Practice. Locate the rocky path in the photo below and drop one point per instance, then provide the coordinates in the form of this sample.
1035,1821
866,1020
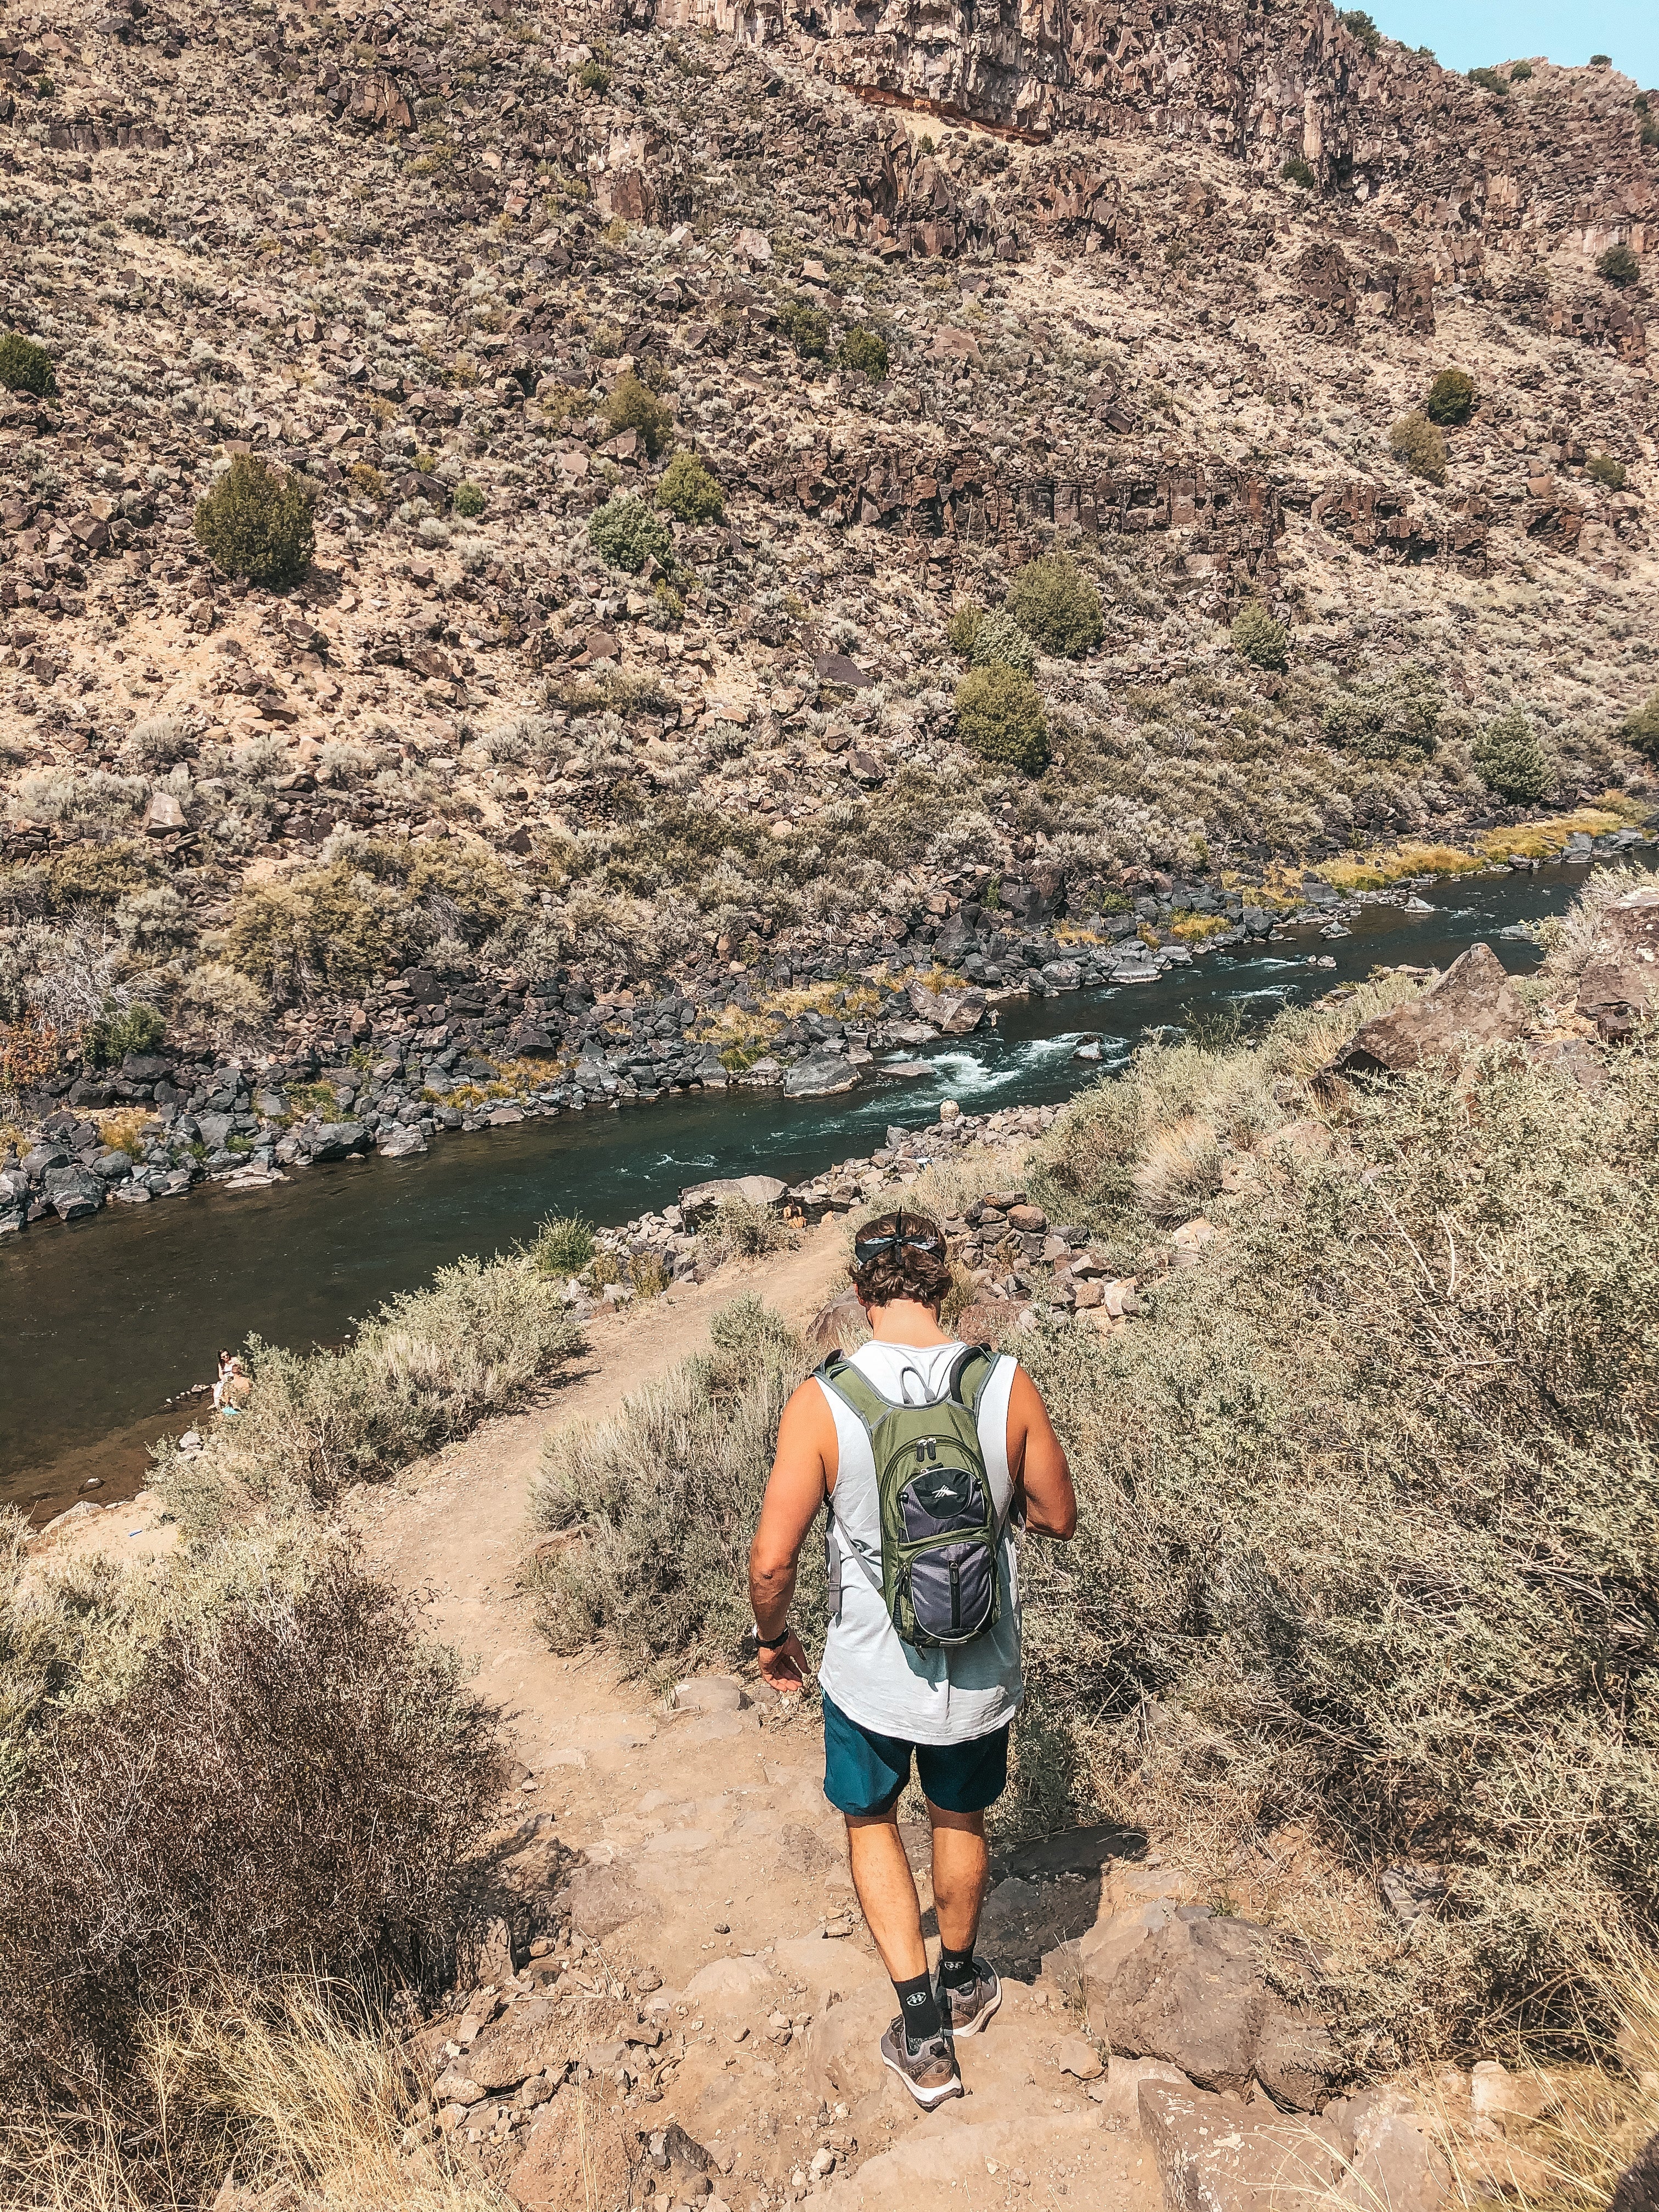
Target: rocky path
714,1958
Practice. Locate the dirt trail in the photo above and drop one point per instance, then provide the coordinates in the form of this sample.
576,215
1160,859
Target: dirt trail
720,1926
451,1529
711,1860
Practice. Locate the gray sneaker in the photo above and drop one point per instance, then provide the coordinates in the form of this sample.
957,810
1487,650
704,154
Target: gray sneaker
964,2012
928,2072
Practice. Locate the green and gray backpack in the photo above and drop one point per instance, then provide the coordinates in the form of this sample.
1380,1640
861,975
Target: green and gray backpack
940,1532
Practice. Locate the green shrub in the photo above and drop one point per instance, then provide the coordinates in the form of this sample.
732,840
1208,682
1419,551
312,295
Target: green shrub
662,1571
1641,729
999,716
468,500
806,327
1521,72
690,492
1512,761
999,638
866,351
1257,638
335,928
1347,1544
258,522
1601,61
118,1030
1415,440
1381,720
327,930
1619,266
631,406
563,1245
627,535
1360,25
1602,469
594,76
1452,397
281,1777
1296,171
26,367
1053,602
1489,81
964,628
98,875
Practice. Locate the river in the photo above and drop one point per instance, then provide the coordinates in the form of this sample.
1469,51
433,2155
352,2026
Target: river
104,1320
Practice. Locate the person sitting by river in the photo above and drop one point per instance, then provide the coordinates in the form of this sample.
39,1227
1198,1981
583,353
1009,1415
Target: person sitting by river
231,1389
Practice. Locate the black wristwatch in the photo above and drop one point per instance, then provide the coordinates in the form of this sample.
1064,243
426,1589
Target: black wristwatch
772,1643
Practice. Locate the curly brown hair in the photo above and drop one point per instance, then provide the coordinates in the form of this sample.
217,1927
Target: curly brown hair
913,1265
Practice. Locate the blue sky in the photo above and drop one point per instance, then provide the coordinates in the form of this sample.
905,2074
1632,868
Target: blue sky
1473,33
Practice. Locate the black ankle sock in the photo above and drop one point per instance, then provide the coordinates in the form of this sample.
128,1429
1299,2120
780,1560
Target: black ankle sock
919,2009
956,1969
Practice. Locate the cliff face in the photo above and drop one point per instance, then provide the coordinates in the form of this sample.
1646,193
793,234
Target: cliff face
1557,161
470,282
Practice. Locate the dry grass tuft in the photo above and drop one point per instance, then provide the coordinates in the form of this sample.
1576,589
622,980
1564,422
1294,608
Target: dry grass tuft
1179,1170
308,2084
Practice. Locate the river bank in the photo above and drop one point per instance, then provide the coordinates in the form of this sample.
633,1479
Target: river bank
426,1057
97,1350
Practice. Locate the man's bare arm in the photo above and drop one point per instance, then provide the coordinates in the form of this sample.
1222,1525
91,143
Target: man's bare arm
1038,1464
802,1473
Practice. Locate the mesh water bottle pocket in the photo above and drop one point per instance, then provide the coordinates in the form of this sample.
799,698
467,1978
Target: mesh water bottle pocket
953,1590
940,1499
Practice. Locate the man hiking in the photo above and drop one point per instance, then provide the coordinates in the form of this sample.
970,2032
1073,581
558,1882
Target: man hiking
931,1455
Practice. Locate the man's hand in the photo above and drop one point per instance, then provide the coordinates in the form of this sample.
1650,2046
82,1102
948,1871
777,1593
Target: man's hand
786,1667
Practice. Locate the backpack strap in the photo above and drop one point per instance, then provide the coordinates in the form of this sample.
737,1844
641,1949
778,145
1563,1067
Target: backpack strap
853,1388
970,1371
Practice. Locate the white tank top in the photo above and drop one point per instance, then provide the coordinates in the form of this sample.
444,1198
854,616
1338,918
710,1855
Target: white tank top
872,1673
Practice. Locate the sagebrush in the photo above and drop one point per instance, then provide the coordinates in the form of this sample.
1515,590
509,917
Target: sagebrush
425,1366
257,1767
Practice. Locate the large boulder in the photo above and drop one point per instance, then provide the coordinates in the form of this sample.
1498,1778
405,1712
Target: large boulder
700,1201
337,1140
1179,1983
402,1141
1391,2158
820,1075
72,1193
1038,900
955,1013
601,1899
534,2036
1218,2154
1472,1006
1621,984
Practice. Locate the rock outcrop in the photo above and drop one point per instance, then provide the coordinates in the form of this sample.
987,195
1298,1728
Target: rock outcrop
1473,1005
1199,1992
1620,985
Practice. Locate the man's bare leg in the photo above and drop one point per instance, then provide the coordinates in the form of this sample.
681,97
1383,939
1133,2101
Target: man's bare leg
961,1867
914,2046
887,1892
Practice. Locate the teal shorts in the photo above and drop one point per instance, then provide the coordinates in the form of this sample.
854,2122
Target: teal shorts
864,1773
